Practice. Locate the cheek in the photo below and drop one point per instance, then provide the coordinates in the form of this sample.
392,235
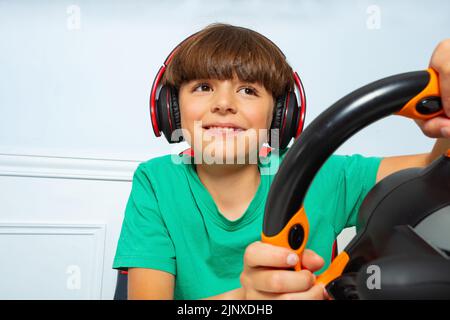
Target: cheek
190,114
261,118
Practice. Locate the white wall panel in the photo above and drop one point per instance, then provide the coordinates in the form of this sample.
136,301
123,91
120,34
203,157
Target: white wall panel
57,261
55,213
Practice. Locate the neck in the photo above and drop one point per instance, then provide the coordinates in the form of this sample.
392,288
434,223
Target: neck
232,186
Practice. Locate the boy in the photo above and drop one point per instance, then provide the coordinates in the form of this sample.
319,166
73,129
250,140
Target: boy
191,229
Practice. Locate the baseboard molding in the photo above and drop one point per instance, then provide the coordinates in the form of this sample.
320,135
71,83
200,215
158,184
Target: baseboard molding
66,168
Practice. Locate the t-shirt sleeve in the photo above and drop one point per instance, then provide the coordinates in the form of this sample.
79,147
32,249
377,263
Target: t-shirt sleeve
144,239
355,176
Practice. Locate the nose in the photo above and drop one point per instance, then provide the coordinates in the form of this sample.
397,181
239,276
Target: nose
224,102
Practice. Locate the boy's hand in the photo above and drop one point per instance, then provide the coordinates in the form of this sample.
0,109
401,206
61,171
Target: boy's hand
266,273
439,127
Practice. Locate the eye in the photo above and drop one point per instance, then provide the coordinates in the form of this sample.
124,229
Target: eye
249,91
201,87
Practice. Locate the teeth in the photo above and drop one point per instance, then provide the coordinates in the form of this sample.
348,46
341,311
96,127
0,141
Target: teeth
224,128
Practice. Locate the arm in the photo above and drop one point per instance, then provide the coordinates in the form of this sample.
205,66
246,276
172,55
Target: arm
145,247
150,284
390,165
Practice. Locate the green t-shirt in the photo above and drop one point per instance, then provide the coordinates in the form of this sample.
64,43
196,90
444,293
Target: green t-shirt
172,223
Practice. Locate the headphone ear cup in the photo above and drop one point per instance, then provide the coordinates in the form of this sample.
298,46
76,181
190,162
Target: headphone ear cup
285,119
176,115
275,127
290,118
168,115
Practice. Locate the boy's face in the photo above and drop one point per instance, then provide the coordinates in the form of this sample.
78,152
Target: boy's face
206,105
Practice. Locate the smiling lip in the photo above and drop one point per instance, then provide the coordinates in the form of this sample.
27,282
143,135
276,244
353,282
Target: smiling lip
223,125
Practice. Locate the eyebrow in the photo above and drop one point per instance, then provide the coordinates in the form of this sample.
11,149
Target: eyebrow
213,79
258,86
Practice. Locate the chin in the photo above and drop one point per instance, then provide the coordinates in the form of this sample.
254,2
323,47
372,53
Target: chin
219,152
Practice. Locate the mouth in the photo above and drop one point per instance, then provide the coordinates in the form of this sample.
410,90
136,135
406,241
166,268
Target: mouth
222,129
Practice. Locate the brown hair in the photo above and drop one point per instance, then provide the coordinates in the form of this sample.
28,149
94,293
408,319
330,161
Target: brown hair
220,50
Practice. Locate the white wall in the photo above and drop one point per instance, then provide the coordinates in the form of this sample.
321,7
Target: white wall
74,120
60,220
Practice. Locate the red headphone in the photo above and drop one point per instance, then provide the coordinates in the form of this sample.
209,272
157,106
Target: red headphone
289,115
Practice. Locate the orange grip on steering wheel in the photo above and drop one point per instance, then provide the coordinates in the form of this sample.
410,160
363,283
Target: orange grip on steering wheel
294,235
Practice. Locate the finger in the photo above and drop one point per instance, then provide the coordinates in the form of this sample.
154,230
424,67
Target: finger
440,62
326,295
260,295
433,128
282,281
259,254
444,85
315,293
311,260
